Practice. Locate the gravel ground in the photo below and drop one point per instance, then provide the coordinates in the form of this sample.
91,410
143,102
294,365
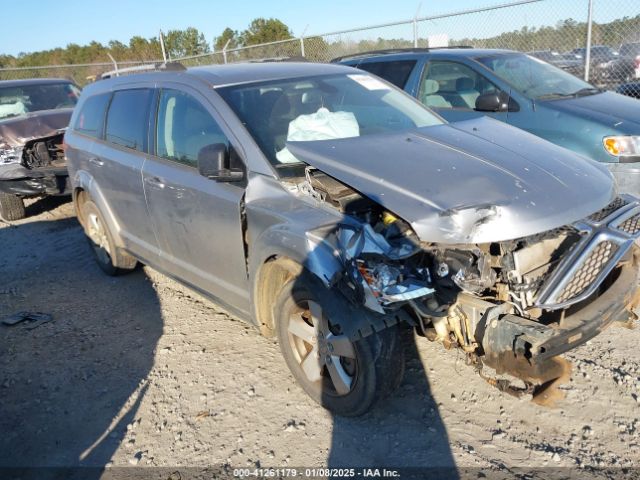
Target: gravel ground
138,370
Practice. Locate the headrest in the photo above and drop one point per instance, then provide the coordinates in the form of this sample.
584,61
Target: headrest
431,87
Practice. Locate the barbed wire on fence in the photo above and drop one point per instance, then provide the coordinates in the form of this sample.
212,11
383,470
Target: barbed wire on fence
552,30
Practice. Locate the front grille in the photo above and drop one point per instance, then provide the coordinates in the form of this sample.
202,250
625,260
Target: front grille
588,271
600,215
631,225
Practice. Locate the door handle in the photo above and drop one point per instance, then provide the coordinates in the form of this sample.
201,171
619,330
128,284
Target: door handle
155,182
96,161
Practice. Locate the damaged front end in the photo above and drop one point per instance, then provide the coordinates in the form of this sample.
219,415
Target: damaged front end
512,305
36,167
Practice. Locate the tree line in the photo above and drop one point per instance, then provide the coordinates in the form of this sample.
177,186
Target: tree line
178,43
563,36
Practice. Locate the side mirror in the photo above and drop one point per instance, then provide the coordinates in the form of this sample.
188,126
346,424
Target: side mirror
213,163
496,102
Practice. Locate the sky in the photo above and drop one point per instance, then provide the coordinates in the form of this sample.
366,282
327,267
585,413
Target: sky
53,24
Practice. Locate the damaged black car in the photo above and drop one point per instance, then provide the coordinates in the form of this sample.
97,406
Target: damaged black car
34,114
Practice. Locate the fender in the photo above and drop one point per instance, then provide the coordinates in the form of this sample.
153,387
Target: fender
85,181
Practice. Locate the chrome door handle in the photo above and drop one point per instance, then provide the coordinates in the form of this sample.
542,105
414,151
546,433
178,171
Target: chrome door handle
155,181
96,161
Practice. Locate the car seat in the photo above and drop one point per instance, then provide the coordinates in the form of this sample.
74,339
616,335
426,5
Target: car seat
465,88
429,97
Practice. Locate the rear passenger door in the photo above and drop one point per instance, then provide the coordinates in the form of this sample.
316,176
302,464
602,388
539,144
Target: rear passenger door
197,220
117,167
452,88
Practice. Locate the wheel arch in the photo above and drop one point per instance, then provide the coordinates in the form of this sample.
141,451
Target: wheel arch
278,256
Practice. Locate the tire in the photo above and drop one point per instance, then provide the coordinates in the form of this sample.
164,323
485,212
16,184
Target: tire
109,259
11,207
371,369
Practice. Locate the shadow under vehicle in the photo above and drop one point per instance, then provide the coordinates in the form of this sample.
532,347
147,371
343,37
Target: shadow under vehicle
33,116
334,211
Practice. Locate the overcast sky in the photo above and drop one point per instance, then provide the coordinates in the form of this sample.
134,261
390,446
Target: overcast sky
44,24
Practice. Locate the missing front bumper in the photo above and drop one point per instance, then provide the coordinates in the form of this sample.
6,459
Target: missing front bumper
528,350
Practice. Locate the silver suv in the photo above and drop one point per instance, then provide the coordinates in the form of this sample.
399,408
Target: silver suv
335,212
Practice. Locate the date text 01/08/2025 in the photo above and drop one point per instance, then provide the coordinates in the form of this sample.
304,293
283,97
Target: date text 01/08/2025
316,472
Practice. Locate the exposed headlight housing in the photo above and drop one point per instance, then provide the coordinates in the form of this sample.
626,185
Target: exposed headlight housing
9,154
622,146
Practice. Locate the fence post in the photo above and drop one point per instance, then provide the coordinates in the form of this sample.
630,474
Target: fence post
415,26
587,55
224,51
302,40
115,64
164,52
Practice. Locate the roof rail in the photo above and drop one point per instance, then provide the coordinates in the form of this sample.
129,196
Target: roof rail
297,58
150,67
395,50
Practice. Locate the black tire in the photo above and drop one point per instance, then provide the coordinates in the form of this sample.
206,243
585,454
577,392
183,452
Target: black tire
109,259
11,207
376,370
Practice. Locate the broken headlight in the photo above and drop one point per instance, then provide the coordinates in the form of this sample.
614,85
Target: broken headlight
9,154
383,266
391,284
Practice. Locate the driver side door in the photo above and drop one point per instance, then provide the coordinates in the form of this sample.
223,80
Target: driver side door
452,88
197,220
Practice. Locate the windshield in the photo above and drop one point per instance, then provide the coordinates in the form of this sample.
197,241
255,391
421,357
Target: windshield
322,108
22,99
534,78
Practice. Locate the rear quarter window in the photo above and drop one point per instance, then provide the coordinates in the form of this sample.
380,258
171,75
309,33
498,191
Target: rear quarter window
91,116
128,118
396,72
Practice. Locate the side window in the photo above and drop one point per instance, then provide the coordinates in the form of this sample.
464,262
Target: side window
393,72
184,127
452,85
90,118
128,118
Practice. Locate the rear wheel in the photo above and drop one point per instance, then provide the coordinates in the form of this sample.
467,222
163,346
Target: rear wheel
344,376
11,207
109,259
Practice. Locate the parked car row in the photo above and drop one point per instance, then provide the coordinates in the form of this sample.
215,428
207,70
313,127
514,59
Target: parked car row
607,67
337,213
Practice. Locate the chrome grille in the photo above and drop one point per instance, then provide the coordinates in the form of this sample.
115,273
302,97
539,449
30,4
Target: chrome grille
600,215
631,225
588,271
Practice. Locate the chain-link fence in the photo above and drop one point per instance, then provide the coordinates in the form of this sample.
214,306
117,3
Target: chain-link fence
594,39
79,73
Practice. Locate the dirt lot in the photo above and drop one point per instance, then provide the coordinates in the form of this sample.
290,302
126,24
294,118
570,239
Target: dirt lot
137,370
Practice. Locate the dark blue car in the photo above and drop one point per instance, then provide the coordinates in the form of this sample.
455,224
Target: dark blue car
462,83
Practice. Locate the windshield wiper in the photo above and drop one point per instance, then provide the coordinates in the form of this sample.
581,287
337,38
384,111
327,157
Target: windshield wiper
548,96
587,91
578,93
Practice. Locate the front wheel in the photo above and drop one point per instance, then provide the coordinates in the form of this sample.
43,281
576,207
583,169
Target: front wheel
108,258
11,207
344,376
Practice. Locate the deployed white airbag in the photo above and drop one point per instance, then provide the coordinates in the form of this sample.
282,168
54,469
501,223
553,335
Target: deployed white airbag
322,125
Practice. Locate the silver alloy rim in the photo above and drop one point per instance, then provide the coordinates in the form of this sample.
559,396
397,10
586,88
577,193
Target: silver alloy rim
98,236
319,351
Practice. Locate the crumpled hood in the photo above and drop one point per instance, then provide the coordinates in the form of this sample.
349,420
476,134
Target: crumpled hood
475,181
607,108
16,131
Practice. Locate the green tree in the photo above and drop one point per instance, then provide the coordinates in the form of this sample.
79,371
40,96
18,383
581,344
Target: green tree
227,35
263,30
184,43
